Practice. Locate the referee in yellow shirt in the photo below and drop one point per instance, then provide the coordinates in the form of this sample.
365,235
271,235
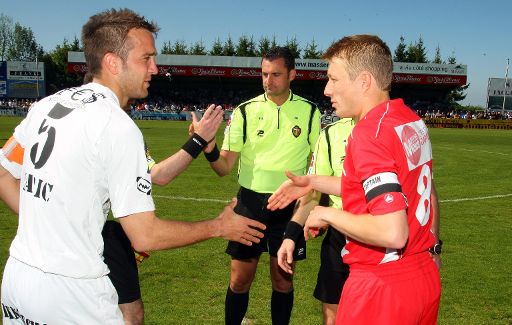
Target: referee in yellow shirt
268,134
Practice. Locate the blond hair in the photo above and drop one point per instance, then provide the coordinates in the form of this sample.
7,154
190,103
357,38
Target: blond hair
364,53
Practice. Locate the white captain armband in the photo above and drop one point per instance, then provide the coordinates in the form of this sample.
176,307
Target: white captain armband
379,184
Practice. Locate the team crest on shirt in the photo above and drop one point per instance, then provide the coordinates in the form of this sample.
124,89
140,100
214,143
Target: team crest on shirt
296,131
144,185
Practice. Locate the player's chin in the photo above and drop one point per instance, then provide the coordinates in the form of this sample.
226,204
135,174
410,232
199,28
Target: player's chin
339,112
143,93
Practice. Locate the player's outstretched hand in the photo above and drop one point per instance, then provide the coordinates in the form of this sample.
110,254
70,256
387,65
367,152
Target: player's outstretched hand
238,228
292,189
315,223
285,255
207,127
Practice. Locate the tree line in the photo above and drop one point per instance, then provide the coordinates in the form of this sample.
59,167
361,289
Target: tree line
18,43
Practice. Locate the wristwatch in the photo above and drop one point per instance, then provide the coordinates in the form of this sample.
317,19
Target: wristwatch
437,248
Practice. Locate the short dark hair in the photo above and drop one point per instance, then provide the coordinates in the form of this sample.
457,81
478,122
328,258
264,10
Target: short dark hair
280,52
106,32
364,52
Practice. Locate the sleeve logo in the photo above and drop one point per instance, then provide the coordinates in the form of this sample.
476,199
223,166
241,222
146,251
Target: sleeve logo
415,142
144,185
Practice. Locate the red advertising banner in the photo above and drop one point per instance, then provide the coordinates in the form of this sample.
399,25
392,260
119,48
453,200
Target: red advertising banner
231,72
225,72
422,79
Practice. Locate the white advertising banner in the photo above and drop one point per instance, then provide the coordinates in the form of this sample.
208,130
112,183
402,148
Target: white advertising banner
25,79
498,89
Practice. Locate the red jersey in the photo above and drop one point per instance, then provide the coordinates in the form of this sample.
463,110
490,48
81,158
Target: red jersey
388,168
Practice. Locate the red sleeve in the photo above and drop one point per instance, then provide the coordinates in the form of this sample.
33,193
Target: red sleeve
376,169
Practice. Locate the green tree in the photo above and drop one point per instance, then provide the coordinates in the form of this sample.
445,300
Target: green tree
294,47
421,52
216,47
274,42
437,57
401,51
6,35
166,48
311,51
452,59
229,48
24,46
263,46
457,95
245,46
198,48
56,62
416,52
179,47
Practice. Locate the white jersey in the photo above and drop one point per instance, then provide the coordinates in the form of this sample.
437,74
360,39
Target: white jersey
83,153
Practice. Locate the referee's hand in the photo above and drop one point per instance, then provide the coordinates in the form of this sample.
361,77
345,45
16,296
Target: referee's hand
285,255
235,227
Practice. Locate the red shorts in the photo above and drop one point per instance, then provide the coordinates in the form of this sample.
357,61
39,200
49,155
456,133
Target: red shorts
402,292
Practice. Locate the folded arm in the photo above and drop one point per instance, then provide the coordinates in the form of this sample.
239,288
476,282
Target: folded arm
387,230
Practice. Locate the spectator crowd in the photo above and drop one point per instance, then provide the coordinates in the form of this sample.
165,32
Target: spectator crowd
183,100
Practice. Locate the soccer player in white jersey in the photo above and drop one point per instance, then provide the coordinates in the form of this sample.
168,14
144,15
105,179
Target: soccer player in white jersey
83,156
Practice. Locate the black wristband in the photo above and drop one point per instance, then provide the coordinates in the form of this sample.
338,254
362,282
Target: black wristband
293,231
214,155
194,145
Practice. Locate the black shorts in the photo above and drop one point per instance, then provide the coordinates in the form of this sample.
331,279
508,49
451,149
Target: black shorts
254,206
119,256
333,272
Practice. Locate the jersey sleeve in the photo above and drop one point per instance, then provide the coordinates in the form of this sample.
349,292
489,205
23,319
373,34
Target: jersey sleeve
127,173
233,134
377,171
315,128
11,157
320,163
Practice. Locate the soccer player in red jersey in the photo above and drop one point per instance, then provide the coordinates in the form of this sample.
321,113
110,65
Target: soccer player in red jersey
390,210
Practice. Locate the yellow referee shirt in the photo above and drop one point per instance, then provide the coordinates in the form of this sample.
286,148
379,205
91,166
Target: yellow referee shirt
272,139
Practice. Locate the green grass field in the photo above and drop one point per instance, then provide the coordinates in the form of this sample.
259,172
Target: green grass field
473,173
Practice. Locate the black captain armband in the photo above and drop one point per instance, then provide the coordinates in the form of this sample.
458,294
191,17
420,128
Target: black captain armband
293,231
214,155
194,145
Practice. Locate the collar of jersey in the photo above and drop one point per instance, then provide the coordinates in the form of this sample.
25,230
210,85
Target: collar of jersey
107,92
290,98
379,109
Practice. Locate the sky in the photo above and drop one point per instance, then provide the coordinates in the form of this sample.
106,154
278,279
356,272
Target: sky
476,32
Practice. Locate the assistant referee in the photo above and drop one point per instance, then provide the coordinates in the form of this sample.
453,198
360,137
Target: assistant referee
268,134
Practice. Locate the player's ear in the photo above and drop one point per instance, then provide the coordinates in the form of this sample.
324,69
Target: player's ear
112,62
292,74
365,79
